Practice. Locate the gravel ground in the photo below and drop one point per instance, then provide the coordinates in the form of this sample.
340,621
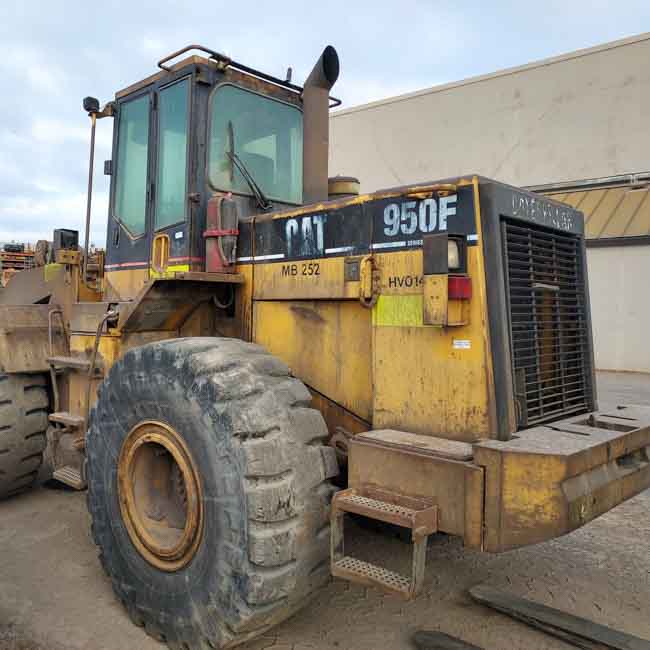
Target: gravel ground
54,596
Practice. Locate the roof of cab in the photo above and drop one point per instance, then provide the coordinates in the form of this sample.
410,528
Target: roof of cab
190,60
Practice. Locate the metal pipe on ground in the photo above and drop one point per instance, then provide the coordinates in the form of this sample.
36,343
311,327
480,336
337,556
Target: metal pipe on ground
435,640
577,631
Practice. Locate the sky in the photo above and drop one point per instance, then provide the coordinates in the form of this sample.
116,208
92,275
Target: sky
55,53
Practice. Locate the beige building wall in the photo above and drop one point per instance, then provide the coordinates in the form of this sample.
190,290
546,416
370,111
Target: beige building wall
619,278
579,116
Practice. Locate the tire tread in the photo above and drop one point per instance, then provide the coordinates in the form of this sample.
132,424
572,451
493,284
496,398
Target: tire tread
24,405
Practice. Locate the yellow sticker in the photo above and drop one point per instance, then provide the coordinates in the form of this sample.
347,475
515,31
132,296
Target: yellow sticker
398,311
169,271
51,271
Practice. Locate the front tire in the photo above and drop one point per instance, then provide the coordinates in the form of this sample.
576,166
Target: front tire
233,417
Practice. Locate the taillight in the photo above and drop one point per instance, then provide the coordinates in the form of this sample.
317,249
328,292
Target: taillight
459,287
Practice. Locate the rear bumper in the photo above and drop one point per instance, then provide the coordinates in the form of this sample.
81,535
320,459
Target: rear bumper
550,480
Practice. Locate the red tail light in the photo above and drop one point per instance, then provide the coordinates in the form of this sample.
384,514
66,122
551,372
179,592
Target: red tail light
459,287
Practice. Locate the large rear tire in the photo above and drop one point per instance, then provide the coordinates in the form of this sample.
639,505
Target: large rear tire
255,543
24,405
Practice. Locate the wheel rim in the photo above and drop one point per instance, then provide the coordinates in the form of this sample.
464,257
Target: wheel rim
160,495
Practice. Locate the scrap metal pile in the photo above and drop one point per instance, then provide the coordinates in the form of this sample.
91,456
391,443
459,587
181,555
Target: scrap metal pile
14,258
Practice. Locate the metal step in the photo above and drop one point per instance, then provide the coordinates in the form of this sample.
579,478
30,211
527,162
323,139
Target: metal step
67,419
417,514
390,513
349,568
76,363
70,476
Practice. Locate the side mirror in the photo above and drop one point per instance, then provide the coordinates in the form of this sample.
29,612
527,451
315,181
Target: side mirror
91,105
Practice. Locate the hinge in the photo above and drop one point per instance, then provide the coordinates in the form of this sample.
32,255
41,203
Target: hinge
369,281
201,76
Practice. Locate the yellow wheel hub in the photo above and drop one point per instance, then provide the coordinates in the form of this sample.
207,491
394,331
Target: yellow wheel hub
160,495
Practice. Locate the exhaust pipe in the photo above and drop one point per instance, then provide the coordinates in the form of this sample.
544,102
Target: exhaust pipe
315,99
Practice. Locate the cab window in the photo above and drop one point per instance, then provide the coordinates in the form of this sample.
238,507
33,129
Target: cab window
172,154
266,136
132,157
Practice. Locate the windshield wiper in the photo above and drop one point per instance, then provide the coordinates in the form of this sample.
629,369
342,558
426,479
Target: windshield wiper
235,160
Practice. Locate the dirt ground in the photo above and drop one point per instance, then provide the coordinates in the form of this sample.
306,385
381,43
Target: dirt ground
54,596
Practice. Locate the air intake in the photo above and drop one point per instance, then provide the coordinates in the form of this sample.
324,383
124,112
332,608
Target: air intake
549,330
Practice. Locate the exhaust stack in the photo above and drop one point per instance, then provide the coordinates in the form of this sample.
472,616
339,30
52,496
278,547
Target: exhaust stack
315,98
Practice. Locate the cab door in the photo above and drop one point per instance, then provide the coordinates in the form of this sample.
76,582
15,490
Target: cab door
129,235
170,241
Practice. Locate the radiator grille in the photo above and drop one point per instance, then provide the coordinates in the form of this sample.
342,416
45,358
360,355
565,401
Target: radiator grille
548,323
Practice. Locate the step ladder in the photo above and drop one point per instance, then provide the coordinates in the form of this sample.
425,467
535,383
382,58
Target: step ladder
63,421
417,514
70,476
66,422
73,363
70,423
76,424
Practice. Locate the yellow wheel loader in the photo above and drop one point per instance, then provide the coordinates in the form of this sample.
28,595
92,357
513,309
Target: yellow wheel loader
261,350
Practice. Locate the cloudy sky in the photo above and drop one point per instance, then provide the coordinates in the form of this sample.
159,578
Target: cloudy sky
54,53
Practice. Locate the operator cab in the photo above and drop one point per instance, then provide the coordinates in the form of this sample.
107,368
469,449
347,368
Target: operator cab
204,126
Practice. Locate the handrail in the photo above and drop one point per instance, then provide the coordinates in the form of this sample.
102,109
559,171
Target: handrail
217,56
50,347
110,314
226,61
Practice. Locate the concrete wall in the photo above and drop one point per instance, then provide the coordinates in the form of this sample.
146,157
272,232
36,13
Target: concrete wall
620,309
583,115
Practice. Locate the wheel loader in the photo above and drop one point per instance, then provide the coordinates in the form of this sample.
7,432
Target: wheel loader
261,350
